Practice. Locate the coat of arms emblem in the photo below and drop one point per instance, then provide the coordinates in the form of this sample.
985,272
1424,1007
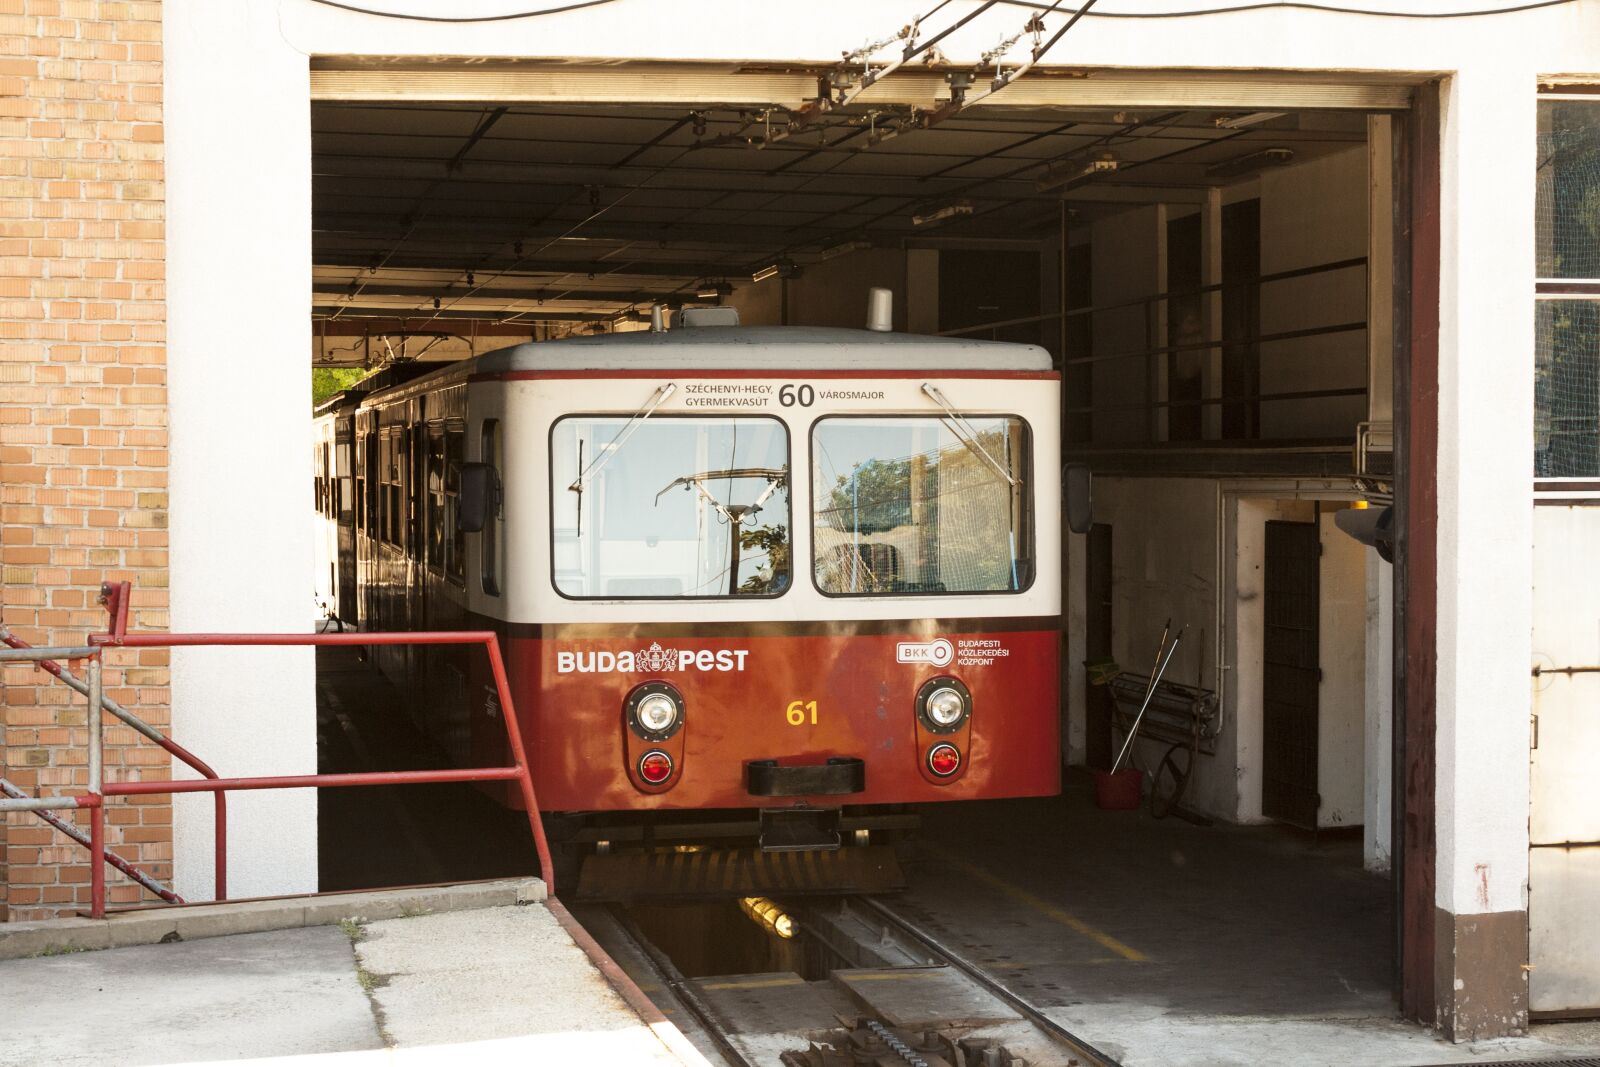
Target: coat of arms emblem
655,659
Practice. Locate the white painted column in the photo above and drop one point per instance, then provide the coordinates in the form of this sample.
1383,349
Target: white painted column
238,300
1486,340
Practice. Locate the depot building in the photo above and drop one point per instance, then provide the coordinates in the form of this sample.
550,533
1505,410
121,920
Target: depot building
1290,264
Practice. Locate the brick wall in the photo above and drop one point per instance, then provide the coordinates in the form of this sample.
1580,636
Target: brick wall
83,417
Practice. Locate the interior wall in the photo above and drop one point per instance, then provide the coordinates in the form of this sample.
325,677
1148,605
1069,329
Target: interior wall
1379,725
1164,566
1242,733
1342,655
1314,213
1126,264
830,293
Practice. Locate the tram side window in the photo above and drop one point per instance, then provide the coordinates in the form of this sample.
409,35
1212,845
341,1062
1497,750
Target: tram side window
915,505
455,556
489,545
436,529
389,473
687,506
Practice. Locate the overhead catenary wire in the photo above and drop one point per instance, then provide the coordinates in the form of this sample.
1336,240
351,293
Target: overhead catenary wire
1303,5
507,17
1263,5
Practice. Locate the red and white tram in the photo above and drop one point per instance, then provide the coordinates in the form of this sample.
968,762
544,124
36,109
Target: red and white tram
764,569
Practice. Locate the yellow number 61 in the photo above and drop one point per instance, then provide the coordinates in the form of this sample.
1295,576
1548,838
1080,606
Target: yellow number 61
796,712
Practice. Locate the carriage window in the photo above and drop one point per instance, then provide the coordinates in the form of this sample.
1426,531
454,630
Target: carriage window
919,505
389,473
683,507
436,528
489,452
455,556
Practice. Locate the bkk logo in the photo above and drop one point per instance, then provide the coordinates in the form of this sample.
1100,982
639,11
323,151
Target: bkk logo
652,660
938,652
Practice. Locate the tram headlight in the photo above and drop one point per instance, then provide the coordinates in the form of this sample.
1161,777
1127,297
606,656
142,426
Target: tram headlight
944,704
654,711
945,707
657,713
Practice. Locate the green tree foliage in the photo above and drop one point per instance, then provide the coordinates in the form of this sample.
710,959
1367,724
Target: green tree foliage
325,381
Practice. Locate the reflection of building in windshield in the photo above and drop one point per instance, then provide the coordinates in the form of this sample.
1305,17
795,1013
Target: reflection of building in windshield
685,507
903,506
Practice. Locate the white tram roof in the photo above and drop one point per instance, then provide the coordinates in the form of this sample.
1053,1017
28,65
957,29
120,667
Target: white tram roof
760,347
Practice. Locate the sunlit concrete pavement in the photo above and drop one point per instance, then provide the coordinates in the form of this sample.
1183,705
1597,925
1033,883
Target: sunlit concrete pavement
487,986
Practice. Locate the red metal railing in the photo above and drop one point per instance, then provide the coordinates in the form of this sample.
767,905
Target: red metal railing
115,598
114,595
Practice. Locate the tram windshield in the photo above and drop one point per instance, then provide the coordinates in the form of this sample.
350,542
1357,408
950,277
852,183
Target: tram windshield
680,507
921,505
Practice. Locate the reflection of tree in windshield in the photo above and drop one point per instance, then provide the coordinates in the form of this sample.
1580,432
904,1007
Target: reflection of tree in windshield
773,543
934,521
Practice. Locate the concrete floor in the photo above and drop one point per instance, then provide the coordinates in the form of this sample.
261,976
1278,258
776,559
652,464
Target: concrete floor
1161,942
492,986
1169,944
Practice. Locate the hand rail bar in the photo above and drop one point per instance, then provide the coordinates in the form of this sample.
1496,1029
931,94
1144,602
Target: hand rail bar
519,772
220,816
16,799
1262,279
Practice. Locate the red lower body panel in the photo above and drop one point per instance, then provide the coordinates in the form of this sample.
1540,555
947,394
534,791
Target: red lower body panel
797,699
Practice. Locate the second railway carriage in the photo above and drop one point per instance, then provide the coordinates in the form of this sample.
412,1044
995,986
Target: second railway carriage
798,573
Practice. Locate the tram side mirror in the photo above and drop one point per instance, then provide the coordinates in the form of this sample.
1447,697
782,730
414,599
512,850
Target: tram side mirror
1077,494
480,496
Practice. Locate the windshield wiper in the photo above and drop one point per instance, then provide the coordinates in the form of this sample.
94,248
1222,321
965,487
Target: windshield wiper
607,453
966,434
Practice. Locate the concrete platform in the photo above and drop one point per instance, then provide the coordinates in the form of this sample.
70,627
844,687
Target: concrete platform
500,984
1169,944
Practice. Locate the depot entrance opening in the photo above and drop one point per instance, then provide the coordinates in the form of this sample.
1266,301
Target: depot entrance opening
1213,288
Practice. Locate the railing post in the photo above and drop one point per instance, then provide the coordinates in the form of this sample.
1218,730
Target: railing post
97,813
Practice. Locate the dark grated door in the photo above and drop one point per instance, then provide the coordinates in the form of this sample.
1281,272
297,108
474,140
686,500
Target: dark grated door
1291,675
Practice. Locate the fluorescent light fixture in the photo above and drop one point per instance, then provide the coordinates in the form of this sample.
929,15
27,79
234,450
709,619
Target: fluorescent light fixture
1248,164
708,293
1255,118
711,290
1076,175
781,268
844,248
939,214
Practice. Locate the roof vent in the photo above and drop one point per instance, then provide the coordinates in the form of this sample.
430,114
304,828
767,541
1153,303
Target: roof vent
691,318
880,310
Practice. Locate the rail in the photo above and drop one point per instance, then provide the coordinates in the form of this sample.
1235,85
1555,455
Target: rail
1152,305
98,789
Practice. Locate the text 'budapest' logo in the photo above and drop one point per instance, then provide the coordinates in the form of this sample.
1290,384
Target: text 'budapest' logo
938,652
652,660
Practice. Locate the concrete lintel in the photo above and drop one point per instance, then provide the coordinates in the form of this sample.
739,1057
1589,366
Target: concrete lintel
191,922
1480,974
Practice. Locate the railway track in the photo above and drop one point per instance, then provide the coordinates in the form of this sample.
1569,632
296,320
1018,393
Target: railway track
875,1041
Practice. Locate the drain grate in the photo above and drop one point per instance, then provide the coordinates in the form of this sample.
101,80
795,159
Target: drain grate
1590,1062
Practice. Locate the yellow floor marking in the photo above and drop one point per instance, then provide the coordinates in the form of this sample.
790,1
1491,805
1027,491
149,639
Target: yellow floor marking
1039,904
765,983
896,976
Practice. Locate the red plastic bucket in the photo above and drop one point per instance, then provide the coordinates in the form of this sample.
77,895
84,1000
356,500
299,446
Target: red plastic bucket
1119,790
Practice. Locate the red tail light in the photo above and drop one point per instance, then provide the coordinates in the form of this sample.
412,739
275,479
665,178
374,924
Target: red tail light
655,767
943,760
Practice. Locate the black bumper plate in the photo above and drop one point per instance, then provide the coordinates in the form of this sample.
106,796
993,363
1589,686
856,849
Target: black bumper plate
840,776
